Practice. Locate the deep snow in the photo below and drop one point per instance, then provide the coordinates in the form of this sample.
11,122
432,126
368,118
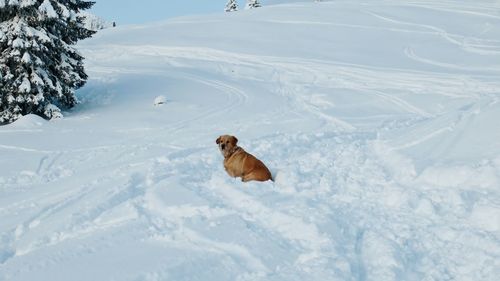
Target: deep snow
379,119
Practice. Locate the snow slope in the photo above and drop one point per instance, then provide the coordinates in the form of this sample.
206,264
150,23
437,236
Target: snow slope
379,119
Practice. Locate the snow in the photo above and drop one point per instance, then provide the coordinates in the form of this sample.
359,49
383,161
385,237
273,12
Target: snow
18,43
65,12
27,3
159,100
25,86
29,121
13,2
377,118
52,112
26,58
46,9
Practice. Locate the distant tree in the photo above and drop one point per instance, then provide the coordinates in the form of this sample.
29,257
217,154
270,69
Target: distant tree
39,68
93,22
252,4
231,6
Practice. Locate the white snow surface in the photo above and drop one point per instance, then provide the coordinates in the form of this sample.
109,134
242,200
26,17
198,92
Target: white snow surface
379,119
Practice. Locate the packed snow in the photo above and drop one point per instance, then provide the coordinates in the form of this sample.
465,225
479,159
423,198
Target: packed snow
379,120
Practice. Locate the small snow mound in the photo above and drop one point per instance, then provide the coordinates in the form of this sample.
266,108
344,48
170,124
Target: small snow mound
283,182
29,121
159,100
486,217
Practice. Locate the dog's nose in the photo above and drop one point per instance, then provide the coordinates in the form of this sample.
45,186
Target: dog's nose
222,146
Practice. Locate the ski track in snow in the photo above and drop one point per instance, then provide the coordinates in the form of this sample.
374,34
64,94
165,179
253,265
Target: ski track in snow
369,183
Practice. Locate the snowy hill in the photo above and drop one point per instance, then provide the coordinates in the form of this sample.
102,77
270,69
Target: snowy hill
379,119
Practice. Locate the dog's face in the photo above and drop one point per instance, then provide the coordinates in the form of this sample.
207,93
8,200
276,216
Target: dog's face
226,144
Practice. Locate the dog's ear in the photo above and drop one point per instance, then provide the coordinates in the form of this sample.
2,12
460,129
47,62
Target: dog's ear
235,140
217,141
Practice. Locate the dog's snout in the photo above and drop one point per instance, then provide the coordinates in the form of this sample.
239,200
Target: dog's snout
222,146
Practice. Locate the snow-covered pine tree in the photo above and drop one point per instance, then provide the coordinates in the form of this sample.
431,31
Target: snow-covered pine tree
231,6
252,4
39,68
93,22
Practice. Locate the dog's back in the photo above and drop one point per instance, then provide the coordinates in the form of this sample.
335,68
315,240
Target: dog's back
248,167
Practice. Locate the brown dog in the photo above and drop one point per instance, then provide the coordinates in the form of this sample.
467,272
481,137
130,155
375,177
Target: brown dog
239,163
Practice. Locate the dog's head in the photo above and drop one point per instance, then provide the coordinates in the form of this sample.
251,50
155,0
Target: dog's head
226,144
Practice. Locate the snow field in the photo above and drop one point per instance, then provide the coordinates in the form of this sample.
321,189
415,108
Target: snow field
346,210
378,122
